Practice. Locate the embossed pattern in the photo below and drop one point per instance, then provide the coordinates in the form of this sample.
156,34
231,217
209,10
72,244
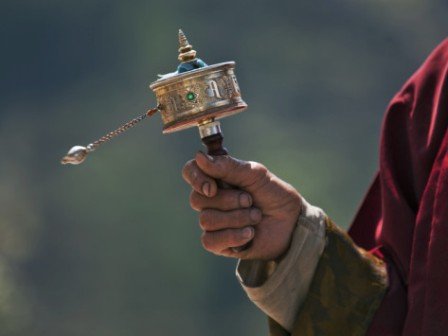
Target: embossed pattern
216,90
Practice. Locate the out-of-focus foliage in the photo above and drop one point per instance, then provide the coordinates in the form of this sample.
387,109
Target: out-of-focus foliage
111,247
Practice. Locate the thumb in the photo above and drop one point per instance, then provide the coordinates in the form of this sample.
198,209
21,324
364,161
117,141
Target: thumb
239,173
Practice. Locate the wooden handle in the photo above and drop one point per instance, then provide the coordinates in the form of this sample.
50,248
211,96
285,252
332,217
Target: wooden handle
214,144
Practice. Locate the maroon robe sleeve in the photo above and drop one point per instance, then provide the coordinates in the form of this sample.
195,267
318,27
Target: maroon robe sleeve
404,217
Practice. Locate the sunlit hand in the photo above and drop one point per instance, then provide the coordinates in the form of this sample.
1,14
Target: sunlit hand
263,208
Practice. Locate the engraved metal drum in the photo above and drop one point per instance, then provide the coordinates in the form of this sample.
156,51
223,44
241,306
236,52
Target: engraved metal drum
192,97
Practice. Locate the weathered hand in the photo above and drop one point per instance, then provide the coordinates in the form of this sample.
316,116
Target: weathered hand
263,207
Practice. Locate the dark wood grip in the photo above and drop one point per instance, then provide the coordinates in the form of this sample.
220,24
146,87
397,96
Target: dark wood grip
214,144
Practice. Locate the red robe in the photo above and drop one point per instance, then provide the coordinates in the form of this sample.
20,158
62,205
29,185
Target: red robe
404,216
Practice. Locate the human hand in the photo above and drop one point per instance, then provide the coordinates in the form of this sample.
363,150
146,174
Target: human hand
262,208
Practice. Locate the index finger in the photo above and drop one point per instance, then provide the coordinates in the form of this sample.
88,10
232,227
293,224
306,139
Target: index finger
247,175
199,181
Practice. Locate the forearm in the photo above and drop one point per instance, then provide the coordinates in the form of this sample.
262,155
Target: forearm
324,284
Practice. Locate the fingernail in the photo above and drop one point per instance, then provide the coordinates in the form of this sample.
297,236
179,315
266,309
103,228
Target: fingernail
206,188
208,157
248,232
245,200
255,215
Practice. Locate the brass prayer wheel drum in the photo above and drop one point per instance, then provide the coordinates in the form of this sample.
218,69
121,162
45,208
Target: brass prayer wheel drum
197,96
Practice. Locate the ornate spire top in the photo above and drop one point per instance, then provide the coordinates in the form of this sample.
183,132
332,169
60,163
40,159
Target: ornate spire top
186,52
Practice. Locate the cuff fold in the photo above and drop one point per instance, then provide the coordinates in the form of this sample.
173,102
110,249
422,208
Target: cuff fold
279,289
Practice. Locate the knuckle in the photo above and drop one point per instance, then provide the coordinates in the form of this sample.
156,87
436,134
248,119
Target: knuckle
194,176
204,220
259,168
206,241
195,201
189,172
259,174
186,168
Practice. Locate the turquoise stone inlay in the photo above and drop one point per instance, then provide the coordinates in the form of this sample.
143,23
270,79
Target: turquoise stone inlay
188,66
190,96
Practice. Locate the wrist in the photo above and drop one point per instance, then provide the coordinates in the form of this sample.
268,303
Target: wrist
295,215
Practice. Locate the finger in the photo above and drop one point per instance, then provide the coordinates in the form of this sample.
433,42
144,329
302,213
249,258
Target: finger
244,174
199,181
215,220
219,242
225,200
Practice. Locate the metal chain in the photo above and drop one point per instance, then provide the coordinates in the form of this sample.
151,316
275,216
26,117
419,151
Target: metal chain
94,145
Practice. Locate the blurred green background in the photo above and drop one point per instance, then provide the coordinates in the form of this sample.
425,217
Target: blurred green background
111,247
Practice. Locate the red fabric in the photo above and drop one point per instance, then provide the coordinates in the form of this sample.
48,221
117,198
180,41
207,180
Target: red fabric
405,212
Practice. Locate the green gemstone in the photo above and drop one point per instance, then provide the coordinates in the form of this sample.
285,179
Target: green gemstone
191,96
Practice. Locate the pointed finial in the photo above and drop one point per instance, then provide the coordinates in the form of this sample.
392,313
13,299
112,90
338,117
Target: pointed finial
183,42
186,52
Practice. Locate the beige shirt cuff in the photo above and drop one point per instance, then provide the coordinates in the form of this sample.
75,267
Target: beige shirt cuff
279,289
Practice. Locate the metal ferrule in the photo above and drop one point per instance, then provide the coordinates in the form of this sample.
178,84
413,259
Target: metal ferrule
210,128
